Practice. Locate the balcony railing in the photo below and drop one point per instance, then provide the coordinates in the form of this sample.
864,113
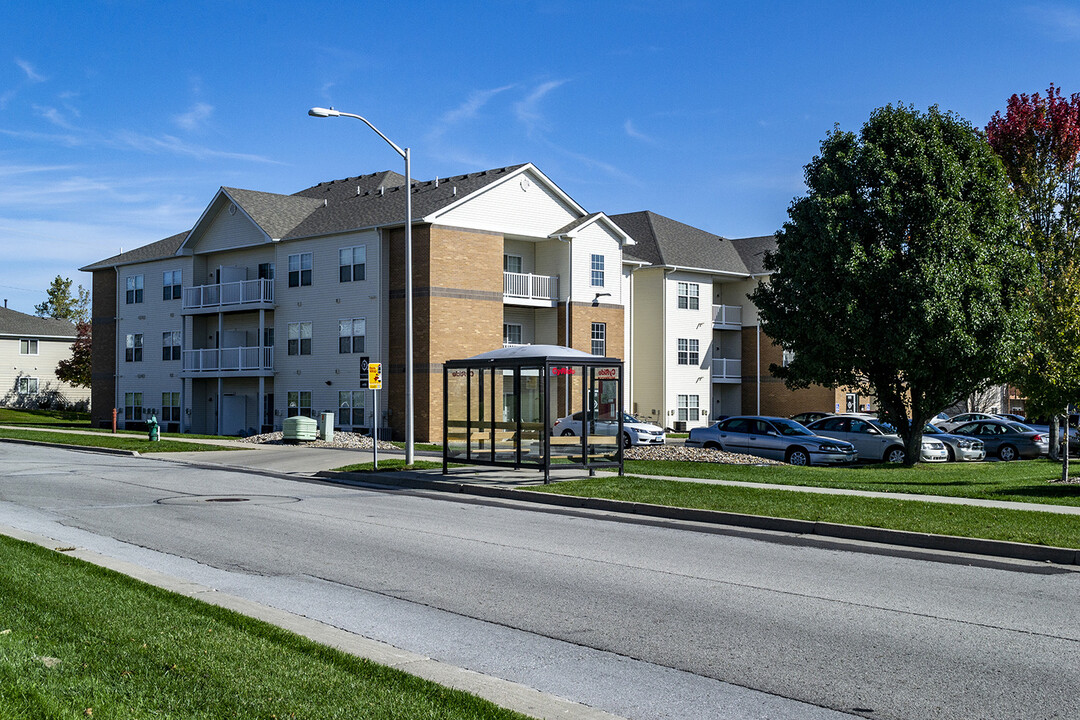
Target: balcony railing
243,292
726,369
234,359
530,287
727,315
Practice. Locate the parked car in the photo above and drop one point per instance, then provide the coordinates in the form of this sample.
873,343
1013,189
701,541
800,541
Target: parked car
957,420
635,432
810,416
1014,417
773,438
875,440
1005,439
958,447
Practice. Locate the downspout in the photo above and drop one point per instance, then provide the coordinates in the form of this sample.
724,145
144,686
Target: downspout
664,347
629,352
116,342
758,332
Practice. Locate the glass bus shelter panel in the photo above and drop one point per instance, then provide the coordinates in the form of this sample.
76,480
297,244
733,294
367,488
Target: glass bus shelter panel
457,412
603,394
532,415
567,407
505,442
481,419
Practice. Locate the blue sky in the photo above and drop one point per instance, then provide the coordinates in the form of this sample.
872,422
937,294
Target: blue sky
119,120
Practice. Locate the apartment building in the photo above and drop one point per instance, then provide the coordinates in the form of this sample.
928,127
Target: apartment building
270,304
30,349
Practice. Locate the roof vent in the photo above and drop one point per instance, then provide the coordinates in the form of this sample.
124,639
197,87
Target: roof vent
325,202
357,191
453,193
436,181
382,190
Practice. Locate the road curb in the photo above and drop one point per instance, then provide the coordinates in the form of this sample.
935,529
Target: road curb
901,538
69,446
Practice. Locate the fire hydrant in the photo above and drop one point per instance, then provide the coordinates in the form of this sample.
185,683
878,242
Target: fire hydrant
152,426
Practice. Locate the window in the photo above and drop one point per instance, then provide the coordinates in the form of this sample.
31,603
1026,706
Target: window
134,289
133,351
170,407
599,339
299,269
597,270
351,407
28,386
787,358
170,345
351,335
511,334
512,263
268,337
299,404
266,271
28,347
171,284
688,351
133,406
352,263
688,407
300,338
689,296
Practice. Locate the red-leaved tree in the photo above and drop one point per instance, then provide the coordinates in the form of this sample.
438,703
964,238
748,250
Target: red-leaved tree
76,369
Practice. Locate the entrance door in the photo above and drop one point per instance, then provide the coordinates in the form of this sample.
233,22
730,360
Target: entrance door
233,414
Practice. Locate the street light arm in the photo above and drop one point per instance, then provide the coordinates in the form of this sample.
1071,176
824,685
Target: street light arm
331,112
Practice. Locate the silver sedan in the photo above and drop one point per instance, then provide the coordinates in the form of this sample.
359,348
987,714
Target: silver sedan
774,438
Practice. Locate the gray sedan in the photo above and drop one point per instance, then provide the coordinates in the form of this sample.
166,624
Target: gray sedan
958,446
1008,440
875,440
773,438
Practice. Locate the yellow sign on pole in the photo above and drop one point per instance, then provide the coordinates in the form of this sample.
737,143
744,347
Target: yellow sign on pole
374,375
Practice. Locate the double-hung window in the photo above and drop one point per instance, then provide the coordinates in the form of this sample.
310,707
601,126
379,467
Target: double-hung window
688,408
599,339
133,406
133,348
171,284
596,267
28,347
352,263
170,407
689,296
688,351
351,407
300,269
511,334
299,403
300,338
170,345
351,335
28,386
134,289
512,263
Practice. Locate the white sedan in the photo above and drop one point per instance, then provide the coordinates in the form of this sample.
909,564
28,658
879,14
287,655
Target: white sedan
635,432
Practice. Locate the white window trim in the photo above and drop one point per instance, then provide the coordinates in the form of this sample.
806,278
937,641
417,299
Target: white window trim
29,341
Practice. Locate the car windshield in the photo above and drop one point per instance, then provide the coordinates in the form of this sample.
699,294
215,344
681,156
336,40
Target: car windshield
883,426
790,427
1017,427
932,430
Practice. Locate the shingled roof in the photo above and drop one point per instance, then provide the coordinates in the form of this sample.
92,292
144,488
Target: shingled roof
13,322
752,250
154,251
663,241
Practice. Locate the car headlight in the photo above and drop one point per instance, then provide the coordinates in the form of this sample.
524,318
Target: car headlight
964,444
830,447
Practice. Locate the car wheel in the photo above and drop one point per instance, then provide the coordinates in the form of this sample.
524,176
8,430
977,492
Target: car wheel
952,455
626,440
712,446
798,456
895,454
1007,453
567,432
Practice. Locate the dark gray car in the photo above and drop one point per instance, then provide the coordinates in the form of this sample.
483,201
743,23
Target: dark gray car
1005,439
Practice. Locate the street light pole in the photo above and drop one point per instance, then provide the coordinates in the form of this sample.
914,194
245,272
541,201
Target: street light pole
407,155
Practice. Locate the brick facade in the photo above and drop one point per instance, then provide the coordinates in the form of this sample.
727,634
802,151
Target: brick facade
103,348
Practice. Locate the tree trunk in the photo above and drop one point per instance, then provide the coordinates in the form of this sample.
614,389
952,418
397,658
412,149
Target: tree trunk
1065,454
913,447
1054,438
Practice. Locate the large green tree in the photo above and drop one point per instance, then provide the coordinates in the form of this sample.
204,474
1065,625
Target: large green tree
901,272
1038,140
61,304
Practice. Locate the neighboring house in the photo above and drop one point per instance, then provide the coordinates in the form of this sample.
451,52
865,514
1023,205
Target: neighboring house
30,348
266,307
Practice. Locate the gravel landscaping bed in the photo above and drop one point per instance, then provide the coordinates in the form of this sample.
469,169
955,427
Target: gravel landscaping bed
693,454
341,440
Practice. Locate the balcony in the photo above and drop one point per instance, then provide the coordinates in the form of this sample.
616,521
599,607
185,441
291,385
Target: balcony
726,370
241,295
531,290
228,361
727,317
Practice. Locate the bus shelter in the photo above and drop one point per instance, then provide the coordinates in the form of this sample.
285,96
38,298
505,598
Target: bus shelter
534,406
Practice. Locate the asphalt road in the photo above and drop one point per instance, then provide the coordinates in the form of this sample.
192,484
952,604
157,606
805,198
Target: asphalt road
643,621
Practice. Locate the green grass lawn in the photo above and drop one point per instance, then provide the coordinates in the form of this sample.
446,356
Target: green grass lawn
425,447
17,416
1039,528
117,442
1025,481
80,641
392,464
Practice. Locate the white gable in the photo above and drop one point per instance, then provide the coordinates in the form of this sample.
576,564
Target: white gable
524,204
224,226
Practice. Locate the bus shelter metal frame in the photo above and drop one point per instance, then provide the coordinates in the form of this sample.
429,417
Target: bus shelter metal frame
547,359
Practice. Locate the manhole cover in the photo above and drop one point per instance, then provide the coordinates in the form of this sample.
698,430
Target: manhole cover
251,499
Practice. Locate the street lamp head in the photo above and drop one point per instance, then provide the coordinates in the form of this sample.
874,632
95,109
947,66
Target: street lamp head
323,112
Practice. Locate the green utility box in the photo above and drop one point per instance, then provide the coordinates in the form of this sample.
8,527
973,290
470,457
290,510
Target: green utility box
298,429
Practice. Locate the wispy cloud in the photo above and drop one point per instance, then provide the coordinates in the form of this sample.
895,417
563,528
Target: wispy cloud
54,116
194,118
633,132
176,146
1059,22
467,110
31,73
528,110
